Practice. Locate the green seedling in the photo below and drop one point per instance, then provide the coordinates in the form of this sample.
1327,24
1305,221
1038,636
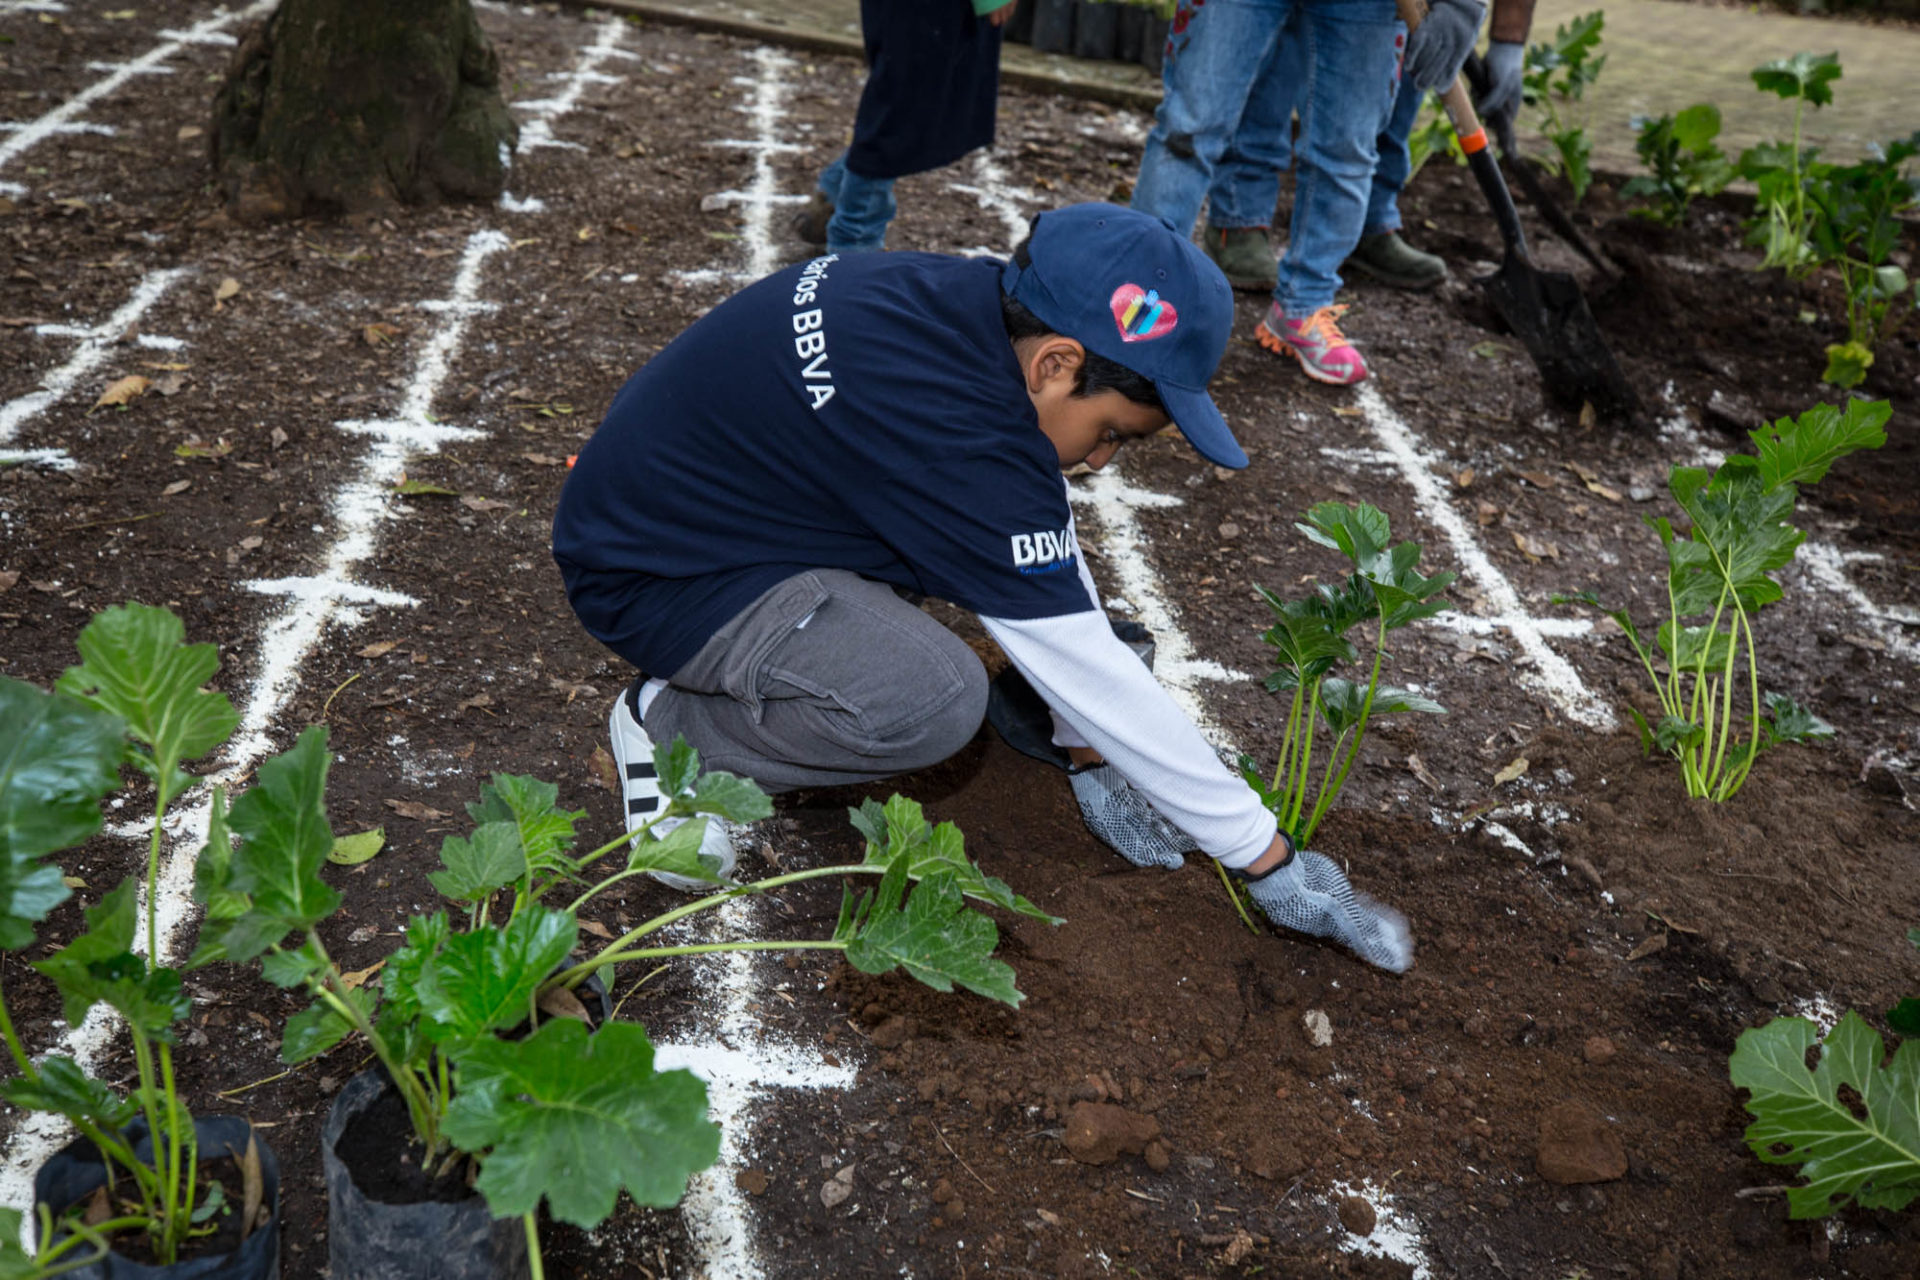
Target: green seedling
1782,224
1683,160
1384,592
1855,225
1861,1147
565,1114
135,699
1554,78
1719,576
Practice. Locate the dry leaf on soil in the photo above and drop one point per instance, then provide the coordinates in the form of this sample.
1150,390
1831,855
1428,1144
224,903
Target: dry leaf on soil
10,576
378,648
1418,768
605,771
1658,942
415,810
228,288
1538,479
597,929
178,486
562,1003
474,503
1535,549
379,333
253,1186
122,391
477,700
1515,768
1463,477
358,978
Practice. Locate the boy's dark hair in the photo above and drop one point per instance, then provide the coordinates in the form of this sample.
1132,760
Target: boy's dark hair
1097,373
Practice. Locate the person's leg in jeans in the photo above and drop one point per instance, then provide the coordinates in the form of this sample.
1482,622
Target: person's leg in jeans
1216,53
1382,252
826,679
861,209
1353,54
1246,181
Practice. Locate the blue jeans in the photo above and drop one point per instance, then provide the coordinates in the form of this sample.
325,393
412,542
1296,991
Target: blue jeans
1246,183
862,208
1222,51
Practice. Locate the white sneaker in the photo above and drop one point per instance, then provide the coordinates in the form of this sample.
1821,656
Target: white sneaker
640,791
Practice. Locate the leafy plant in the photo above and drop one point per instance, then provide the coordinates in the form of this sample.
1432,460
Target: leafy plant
1433,135
563,1113
1862,1147
1782,223
1554,77
1719,575
135,698
1683,159
1854,224
1385,591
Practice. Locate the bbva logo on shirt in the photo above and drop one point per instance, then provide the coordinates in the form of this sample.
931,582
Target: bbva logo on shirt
1044,551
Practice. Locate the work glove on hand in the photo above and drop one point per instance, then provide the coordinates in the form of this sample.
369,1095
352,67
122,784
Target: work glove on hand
1309,894
1502,101
1441,43
1123,819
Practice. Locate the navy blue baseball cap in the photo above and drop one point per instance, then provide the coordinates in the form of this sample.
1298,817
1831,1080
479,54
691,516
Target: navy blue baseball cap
1127,286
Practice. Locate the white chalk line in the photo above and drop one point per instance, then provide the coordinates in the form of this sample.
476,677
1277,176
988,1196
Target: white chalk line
49,125
998,196
1551,675
95,345
32,6
537,133
1827,566
738,1065
1114,503
285,642
767,108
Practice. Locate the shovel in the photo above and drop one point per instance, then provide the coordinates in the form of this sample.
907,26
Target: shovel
1545,309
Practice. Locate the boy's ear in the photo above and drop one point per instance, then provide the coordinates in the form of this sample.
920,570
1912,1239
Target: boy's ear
1052,359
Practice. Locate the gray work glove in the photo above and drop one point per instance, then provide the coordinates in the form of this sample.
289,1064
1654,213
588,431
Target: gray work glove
1441,43
1502,101
1309,894
1123,819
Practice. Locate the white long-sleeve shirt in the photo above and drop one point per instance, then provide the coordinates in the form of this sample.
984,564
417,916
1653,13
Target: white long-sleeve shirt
1107,699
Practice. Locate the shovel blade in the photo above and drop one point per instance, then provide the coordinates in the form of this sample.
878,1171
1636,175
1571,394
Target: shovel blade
1549,315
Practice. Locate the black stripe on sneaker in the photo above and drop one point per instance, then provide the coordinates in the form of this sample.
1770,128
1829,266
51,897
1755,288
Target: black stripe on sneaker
641,769
643,804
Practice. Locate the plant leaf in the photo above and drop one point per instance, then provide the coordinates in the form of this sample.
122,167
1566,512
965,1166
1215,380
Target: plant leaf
1791,722
933,936
734,798
58,758
1804,75
99,967
282,820
676,853
1800,450
475,866
1358,532
293,967
1905,1017
319,1027
135,664
351,851
485,980
545,829
64,1088
1801,1119
577,1117
929,850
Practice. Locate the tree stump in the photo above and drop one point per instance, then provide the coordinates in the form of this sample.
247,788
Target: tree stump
354,106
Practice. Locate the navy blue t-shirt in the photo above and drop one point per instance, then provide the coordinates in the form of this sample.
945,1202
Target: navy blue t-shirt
862,413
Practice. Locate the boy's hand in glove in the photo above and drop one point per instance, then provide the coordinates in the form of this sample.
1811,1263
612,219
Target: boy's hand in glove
1442,42
1309,894
1123,819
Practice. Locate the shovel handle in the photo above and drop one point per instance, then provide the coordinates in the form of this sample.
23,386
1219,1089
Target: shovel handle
1473,140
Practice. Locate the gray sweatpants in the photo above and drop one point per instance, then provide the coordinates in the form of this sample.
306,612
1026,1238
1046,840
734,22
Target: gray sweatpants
827,679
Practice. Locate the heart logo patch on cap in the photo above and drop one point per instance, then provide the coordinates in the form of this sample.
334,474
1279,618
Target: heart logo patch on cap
1141,313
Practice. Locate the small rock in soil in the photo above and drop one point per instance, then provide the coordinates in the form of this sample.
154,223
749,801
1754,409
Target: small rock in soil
1099,1132
1598,1051
1319,1028
1158,1157
1357,1216
942,1191
751,1181
1578,1145
835,1191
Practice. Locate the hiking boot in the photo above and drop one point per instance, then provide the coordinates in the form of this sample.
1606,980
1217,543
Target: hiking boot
640,792
1243,254
809,225
1316,342
1391,260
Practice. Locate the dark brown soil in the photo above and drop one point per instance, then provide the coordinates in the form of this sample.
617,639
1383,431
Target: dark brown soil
380,1151
1617,910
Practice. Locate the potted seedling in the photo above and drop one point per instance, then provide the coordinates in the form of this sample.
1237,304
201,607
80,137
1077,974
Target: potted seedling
1328,714
156,1188
487,1080
1703,662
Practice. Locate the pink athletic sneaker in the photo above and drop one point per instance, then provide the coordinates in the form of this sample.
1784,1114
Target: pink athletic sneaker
1316,341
